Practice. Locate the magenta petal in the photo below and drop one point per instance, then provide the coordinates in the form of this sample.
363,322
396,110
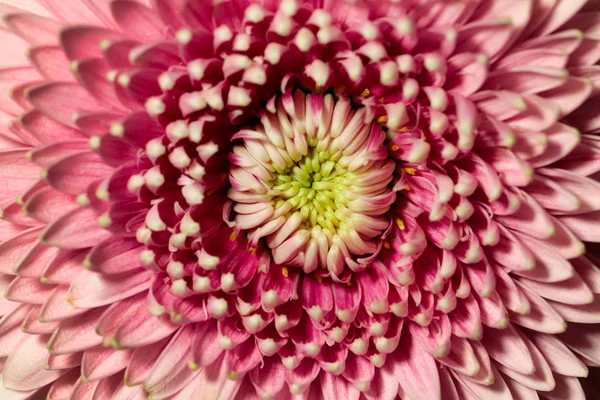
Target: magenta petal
268,379
74,172
114,255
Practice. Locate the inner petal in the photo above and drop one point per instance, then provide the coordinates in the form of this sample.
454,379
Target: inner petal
314,181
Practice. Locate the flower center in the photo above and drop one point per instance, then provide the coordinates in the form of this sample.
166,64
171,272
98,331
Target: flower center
315,187
314,180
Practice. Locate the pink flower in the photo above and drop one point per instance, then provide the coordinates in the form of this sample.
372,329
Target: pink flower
294,199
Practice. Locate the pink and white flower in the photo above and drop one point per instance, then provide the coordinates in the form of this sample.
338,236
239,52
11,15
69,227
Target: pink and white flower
299,199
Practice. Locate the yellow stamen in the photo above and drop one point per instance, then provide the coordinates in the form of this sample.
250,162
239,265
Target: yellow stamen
232,375
233,236
400,224
285,272
410,171
252,250
342,89
382,120
395,148
365,93
407,188
403,129
386,245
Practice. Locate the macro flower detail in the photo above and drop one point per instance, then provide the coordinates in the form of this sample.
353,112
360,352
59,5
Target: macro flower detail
293,199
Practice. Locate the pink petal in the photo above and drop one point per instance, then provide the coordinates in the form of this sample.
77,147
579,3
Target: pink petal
114,255
83,390
17,174
142,361
63,361
100,363
73,173
57,307
268,379
540,378
24,368
583,226
76,334
172,360
384,385
64,267
542,318
586,313
60,101
571,291
52,63
92,289
215,384
62,387
495,390
75,230
566,388
28,291
108,386
561,13
549,265
336,387
12,249
560,359
507,347
416,371
588,271
128,13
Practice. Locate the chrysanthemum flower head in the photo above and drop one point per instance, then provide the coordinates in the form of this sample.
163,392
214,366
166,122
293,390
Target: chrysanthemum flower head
293,199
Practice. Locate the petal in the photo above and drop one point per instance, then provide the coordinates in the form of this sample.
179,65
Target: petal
142,361
336,387
416,371
128,13
17,174
566,388
542,318
507,347
558,356
60,101
496,390
99,363
24,368
76,334
73,173
114,255
11,250
75,230
92,289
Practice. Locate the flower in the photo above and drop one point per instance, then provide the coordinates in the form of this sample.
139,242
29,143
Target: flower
235,199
